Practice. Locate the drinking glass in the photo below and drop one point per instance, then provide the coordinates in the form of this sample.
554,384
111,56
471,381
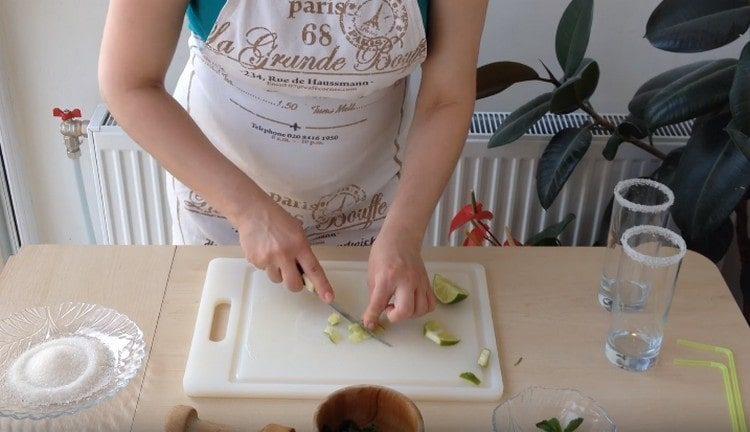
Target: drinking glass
643,293
637,202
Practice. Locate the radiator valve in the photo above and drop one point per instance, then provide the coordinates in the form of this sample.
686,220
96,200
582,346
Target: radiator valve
73,130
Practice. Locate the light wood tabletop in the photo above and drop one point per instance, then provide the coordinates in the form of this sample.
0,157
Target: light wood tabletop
545,314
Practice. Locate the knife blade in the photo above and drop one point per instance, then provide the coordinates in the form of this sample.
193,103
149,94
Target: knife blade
336,307
353,320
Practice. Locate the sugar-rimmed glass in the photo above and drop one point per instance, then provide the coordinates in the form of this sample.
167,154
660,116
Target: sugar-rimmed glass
643,294
637,202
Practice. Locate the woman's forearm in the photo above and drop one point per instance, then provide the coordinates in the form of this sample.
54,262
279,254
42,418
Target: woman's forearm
161,126
435,142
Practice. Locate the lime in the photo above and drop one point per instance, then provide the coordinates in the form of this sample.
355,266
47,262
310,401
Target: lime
334,319
484,358
308,284
470,377
431,327
443,338
333,334
357,334
447,291
435,332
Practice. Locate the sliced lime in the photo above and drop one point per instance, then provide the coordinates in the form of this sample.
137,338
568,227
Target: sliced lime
447,291
334,319
435,332
484,358
308,284
333,334
357,334
431,327
471,378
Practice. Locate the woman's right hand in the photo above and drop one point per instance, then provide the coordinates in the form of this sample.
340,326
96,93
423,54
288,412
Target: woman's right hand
274,241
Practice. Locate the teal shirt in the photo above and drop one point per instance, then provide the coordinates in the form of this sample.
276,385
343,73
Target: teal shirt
202,15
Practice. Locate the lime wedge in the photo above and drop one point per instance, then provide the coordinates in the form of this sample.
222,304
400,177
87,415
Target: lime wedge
334,319
471,378
433,331
484,358
443,339
333,334
431,327
447,291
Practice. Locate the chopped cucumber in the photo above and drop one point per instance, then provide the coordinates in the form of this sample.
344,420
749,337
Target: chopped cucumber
334,319
471,378
433,331
447,291
484,358
333,334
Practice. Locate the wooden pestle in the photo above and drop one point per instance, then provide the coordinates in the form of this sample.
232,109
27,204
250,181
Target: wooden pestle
185,419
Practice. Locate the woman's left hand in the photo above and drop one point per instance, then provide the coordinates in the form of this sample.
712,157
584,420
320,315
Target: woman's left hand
398,281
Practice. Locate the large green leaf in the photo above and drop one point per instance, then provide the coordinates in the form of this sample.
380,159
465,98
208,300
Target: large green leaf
577,89
543,237
520,121
603,232
697,25
633,127
559,160
496,77
714,245
666,172
653,86
573,33
711,178
613,144
739,96
697,93
739,139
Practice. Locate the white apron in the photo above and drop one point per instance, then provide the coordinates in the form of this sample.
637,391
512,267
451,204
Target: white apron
307,98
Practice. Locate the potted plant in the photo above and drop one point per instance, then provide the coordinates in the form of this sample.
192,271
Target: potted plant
710,175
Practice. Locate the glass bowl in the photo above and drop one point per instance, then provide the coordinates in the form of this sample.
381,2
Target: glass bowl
523,411
114,331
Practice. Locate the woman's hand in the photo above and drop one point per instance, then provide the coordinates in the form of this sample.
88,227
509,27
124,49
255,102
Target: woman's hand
274,241
398,281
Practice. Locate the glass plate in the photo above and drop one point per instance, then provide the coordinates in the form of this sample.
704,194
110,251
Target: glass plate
24,330
523,411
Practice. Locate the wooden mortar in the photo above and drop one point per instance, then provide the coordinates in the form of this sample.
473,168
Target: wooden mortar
386,409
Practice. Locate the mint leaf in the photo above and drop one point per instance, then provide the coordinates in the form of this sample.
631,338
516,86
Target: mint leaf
546,426
556,424
573,425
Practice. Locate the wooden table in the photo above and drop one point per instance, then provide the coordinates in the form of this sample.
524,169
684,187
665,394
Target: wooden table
544,307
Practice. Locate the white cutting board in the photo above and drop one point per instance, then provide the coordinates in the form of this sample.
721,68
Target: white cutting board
275,346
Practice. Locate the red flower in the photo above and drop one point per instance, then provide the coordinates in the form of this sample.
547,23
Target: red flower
468,214
476,237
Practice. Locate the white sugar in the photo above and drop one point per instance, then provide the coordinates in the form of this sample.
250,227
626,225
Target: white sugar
60,371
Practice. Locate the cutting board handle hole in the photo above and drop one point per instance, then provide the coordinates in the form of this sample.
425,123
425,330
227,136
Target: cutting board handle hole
220,321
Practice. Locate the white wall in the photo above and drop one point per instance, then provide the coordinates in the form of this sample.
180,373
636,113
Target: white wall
52,48
524,30
53,45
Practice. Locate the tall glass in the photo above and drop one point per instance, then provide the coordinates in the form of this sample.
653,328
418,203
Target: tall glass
643,291
637,202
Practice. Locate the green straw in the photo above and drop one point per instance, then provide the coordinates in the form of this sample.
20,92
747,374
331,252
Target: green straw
727,385
736,400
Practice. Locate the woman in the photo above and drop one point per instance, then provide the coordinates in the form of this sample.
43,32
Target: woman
289,126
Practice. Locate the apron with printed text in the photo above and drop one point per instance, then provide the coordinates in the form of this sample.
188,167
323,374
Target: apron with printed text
308,99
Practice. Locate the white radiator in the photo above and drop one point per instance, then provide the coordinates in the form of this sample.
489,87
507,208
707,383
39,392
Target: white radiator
128,200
